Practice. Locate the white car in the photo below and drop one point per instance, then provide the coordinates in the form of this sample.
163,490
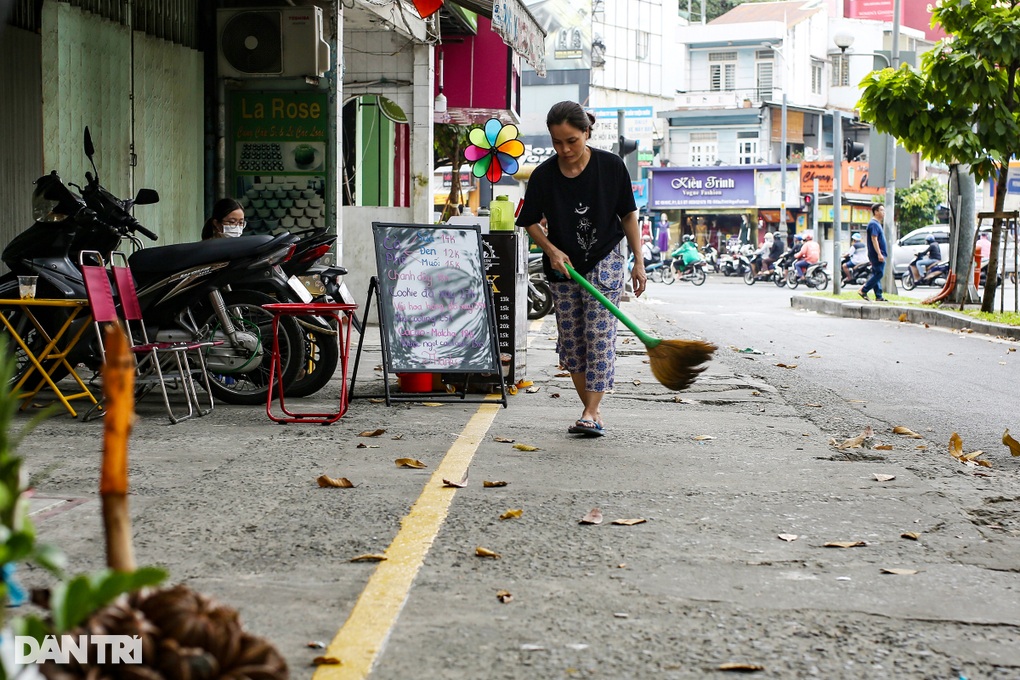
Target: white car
917,240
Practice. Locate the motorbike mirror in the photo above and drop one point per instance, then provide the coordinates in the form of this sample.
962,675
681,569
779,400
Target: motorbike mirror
90,148
147,197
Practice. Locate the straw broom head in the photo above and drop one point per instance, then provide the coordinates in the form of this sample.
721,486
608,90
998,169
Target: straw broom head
676,363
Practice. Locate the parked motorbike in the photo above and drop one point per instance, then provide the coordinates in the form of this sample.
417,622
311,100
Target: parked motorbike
934,275
180,288
711,256
859,273
540,300
815,276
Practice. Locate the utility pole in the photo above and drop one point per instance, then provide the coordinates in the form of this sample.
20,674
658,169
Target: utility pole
889,279
837,198
782,162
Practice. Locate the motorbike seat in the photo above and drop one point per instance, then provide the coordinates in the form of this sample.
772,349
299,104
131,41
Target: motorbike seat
168,259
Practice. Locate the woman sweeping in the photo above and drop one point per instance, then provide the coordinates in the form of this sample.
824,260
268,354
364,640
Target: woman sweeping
586,198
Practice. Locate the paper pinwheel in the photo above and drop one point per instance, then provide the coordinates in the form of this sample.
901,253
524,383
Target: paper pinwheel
494,150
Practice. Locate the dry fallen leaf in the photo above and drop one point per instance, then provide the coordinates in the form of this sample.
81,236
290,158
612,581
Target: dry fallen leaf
397,437
326,661
315,644
629,522
906,432
814,405
741,667
702,437
372,433
339,483
503,440
361,446
955,446
884,478
897,571
533,389
1014,445
512,513
788,537
369,557
787,365
903,317
504,596
884,447
410,463
594,516
912,535
564,374
377,401
433,404
554,395
457,485
485,552
493,485
526,447
845,544
855,442
637,382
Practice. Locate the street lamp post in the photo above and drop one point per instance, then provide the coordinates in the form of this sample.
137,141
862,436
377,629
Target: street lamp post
782,145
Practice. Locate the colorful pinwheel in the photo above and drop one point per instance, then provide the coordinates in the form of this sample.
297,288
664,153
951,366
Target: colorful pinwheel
494,150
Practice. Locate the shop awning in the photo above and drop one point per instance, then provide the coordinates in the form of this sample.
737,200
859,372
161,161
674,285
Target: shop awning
512,22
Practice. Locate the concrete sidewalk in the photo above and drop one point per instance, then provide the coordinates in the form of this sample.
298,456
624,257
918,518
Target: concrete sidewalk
943,318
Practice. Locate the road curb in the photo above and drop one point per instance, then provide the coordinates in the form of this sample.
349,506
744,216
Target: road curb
891,312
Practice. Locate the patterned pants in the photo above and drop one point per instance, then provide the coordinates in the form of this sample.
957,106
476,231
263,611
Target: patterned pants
587,330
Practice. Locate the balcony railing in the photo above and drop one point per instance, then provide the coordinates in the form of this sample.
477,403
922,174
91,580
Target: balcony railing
715,99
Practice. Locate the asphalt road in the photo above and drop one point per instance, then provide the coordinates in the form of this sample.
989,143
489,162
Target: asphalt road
228,504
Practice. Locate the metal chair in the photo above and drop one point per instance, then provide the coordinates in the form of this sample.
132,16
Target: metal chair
150,356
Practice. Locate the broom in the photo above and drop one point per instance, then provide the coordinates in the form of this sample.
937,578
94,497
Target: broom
675,363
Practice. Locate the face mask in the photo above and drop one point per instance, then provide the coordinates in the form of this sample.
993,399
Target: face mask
232,230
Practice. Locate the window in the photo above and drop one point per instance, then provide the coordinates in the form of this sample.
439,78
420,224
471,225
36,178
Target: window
765,81
747,148
817,73
704,148
642,44
840,70
722,71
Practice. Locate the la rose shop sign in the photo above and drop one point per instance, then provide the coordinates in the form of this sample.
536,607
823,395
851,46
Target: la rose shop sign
675,188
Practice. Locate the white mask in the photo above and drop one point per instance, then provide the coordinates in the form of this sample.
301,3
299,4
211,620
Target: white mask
232,230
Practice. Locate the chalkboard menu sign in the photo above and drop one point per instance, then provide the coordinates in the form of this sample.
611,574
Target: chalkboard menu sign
434,305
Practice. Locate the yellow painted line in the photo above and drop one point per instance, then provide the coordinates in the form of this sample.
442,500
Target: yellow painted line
358,643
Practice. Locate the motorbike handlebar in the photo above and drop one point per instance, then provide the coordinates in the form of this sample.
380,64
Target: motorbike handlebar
151,235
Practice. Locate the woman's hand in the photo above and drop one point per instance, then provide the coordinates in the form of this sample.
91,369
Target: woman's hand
558,259
638,278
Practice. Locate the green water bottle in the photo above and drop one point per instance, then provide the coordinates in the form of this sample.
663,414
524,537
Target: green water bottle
501,214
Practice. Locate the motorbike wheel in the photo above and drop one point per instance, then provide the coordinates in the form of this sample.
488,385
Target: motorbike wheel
251,387
749,277
698,276
907,281
819,280
655,275
668,275
791,280
322,355
779,278
540,300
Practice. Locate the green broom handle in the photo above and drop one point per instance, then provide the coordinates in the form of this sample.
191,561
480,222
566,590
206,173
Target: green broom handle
648,340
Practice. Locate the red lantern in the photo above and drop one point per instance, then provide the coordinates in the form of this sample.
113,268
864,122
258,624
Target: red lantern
427,8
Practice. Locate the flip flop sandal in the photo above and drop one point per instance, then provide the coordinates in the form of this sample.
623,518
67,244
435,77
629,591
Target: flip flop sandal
588,428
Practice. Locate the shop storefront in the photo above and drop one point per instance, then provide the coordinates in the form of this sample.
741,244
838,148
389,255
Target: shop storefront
856,200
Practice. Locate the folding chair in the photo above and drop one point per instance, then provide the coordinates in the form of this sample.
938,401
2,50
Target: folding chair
132,311
149,368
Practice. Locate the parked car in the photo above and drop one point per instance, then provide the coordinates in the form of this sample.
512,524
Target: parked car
917,240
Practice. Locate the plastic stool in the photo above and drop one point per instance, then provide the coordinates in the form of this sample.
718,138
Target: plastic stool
342,313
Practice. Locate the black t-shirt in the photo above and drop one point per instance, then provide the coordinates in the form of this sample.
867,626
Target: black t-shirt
934,252
582,213
777,249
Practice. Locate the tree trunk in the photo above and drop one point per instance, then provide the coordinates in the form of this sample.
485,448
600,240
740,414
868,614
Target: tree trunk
454,198
961,201
992,278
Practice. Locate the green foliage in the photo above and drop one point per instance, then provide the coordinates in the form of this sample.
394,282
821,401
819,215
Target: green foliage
917,205
961,105
75,600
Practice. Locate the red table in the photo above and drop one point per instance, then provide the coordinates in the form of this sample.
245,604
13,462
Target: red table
342,313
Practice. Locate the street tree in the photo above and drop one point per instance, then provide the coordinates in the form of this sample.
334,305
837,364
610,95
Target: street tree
918,204
449,143
960,106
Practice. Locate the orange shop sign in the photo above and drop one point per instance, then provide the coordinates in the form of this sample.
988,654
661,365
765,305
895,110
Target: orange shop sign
855,178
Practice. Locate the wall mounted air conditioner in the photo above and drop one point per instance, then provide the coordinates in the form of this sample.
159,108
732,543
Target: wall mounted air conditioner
274,43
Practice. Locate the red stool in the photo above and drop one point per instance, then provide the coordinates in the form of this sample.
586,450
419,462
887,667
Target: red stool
342,314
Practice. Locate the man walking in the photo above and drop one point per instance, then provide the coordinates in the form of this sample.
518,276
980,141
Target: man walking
877,253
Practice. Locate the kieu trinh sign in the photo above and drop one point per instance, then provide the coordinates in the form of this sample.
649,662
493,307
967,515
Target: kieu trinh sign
701,188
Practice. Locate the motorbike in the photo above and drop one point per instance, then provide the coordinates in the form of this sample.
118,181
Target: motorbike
750,277
711,256
657,271
183,290
934,275
693,272
782,269
815,276
859,273
540,301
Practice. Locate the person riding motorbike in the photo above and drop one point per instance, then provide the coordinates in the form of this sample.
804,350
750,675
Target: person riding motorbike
775,253
687,253
932,256
760,260
648,251
807,255
858,255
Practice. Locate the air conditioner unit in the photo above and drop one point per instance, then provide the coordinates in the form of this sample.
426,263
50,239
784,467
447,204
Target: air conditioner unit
274,43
